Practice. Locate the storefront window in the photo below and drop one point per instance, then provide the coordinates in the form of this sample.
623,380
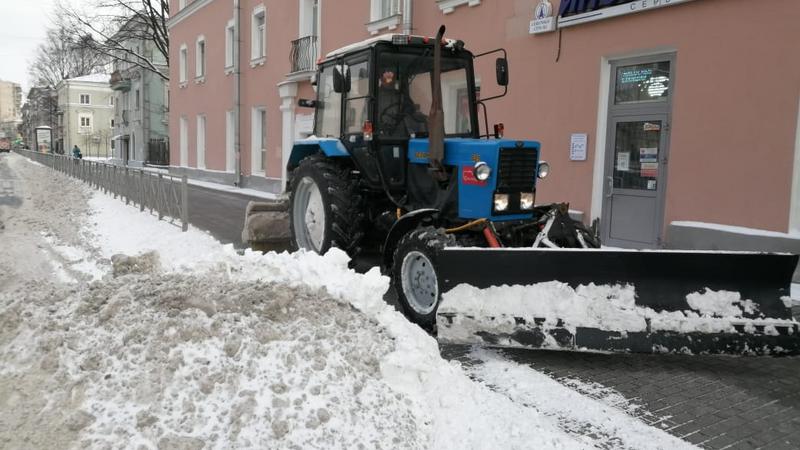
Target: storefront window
642,83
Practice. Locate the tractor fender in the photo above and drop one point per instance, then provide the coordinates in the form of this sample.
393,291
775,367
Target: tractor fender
404,225
332,148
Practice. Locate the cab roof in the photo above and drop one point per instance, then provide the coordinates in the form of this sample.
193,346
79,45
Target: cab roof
389,37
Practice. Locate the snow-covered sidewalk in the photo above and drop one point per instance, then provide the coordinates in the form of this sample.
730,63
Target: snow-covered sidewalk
153,338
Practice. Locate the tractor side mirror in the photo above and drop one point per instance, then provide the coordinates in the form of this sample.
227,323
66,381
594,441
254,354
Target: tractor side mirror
341,79
501,69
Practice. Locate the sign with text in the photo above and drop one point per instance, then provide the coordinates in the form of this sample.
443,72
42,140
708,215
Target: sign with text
44,139
574,12
577,147
543,20
304,123
468,177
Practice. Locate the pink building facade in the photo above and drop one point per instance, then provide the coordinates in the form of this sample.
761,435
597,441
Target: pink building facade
649,111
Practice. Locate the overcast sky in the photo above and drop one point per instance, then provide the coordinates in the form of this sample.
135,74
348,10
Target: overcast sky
22,30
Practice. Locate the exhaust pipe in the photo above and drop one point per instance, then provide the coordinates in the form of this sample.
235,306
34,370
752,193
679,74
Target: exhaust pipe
436,116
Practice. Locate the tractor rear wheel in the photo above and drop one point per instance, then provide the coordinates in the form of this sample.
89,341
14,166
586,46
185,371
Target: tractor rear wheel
414,273
324,207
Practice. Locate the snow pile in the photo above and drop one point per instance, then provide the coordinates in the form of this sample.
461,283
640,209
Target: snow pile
466,311
720,304
439,396
163,339
173,358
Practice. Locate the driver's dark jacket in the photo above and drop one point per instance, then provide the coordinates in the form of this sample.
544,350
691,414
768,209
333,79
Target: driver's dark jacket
397,114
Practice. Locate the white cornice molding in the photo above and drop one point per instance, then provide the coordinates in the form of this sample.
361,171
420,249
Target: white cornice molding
187,11
389,23
448,6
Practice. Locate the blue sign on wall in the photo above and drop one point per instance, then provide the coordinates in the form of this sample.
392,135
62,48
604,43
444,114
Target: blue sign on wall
569,7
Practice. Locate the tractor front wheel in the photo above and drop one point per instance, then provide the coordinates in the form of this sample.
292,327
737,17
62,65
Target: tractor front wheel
324,207
414,274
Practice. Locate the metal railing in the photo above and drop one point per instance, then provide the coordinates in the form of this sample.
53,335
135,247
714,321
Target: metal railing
303,54
162,194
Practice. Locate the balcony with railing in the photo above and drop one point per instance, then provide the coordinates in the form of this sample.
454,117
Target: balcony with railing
303,54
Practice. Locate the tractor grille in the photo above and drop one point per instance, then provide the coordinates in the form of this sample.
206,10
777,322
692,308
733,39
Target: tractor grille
516,171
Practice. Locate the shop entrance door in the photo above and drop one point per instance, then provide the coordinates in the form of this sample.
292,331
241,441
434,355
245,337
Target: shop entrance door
637,152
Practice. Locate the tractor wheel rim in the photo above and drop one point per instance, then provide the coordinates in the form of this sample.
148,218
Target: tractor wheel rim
309,215
419,282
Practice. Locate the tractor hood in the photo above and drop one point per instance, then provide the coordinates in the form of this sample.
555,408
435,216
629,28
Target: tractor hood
459,151
475,197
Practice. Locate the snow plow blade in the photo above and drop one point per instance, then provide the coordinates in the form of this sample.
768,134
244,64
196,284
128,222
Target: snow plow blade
612,300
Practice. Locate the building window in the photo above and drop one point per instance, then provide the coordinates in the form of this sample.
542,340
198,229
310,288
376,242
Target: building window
309,17
230,47
111,100
230,156
201,142
166,97
86,124
259,140
184,141
181,4
137,99
182,74
382,9
112,123
384,15
200,58
258,41
85,99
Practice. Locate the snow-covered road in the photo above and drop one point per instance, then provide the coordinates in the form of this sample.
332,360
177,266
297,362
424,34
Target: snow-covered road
117,330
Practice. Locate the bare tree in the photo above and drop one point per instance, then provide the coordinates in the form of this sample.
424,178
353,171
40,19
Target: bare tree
112,27
62,56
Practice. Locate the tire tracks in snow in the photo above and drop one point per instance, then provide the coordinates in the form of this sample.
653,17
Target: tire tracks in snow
594,415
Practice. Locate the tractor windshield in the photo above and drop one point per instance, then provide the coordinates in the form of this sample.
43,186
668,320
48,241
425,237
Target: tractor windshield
404,94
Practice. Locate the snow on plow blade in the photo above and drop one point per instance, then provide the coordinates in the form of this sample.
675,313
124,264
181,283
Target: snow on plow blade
612,300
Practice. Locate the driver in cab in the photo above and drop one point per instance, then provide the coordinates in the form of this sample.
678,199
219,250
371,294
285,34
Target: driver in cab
398,115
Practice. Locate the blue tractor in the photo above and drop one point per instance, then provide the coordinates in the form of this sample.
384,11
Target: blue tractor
398,167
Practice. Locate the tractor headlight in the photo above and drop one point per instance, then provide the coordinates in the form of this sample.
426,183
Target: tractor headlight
526,200
482,171
500,202
544,169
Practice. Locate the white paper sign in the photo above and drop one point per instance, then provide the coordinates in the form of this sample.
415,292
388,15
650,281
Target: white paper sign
577,147
304,123
545,25
623,161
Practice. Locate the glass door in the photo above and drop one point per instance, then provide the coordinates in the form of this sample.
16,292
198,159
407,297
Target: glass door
637,143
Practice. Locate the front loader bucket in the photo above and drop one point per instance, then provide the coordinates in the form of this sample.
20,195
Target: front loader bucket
618,300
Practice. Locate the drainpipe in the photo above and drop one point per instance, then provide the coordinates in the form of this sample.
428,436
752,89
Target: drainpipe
408,10
237,104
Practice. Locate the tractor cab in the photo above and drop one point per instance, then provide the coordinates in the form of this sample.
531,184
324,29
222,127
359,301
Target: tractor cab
375,97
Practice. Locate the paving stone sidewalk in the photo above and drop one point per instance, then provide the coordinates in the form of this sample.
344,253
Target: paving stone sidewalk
716,402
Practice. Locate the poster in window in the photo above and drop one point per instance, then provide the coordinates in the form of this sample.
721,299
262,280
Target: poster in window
623,161
43,140
649,170
648,155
